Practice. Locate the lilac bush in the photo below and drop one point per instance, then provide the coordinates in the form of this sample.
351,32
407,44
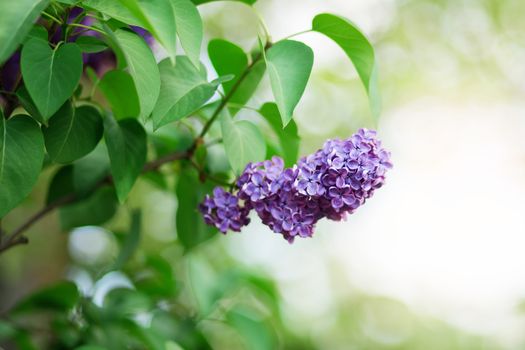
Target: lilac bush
331,183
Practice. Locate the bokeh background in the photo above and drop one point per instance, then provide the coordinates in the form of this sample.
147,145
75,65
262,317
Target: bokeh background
435,259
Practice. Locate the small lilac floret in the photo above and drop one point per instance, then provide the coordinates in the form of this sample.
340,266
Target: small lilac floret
331,183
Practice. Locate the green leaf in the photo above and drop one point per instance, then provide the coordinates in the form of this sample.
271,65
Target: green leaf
171,138
131,242
161,22
248,86
72,133
89,171
37,32
50,76
170,345
255,332
61,184
357,47
126,142
114,9
7,331
142,68
228,58
120,92
157,279
21,158
90,44
288,138
16,20
157,179
28,104
184,90
289,65
189,28
156,16
185,331
123,302
94,210
191,228
91,347
243,142
60,297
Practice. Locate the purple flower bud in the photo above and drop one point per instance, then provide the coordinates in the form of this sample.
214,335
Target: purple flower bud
10,72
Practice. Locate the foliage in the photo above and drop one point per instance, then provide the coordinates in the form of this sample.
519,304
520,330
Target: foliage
83,96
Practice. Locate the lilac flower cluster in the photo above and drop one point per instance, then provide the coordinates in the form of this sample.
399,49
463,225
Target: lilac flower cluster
331,183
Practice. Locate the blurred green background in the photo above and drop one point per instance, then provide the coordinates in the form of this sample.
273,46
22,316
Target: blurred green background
433,261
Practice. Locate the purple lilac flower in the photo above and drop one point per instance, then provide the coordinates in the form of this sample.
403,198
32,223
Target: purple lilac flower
223,211
331,183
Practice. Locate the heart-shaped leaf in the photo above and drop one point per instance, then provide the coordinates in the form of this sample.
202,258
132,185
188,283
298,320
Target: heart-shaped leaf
243,142
142,67
90,44
50,76
131,241
90,170
288,138
189,28
96,209
21,157
184,90
16,19
72,133
119,90
126,142
357,47
61,184
289,65
115,9
228,58
161,22
191,228
28,104
61,297
158,17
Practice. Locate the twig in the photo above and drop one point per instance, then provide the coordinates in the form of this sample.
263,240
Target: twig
154,165
213,142
16,238
203,175
236,105
16,234
230,94
87,27
53,18
11,97
296,34
14,242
